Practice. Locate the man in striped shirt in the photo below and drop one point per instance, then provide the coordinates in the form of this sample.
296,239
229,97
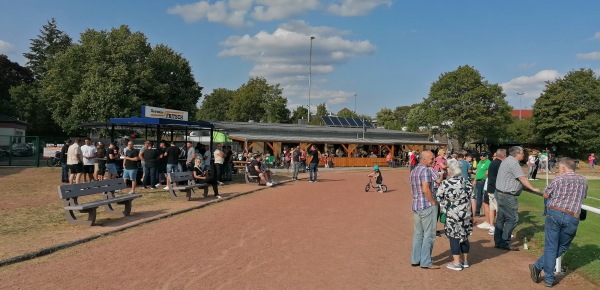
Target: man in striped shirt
564,198
424,212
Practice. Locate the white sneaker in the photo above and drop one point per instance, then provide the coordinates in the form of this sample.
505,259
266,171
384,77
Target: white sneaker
158,184
491,231
131,192
484,225
269,184
166,187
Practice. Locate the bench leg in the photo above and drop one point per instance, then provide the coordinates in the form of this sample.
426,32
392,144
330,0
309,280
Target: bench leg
127,210
110,209
91,218
179,197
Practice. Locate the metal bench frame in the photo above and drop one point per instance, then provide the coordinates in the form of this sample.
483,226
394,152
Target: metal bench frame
187,177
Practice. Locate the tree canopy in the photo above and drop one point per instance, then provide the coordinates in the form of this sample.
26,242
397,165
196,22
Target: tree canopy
111,74
11,74
259,101
465,106
567,113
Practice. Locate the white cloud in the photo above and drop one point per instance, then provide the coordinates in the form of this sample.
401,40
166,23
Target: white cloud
6,48
236,13
596,35
530,86
591,56
268,10
356,7
282,58
527,65
232,13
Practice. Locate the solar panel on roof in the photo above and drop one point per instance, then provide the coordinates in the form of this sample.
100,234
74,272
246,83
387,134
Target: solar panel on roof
359,122
369,124
327,121
351,122
336,121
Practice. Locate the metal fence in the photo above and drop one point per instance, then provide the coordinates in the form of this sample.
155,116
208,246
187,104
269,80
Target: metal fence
31,151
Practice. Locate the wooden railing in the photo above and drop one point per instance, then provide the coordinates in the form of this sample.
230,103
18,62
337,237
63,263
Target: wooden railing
359,162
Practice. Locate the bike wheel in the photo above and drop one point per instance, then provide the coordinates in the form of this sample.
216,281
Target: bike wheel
368,187
384,188
57,163
49,163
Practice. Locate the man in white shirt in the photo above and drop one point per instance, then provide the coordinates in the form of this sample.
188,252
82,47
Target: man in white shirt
89,153
74,162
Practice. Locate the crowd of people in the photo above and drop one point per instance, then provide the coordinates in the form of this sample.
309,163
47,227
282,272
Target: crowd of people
443,189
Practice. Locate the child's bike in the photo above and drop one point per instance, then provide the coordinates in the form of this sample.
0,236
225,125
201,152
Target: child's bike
372,185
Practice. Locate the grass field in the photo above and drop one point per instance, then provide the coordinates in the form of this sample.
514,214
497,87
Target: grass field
583,255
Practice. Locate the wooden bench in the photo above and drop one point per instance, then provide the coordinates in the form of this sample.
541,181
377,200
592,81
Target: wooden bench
70,194
188,186
251,178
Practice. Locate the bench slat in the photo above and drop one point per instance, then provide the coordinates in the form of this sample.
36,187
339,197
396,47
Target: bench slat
82,189
98,203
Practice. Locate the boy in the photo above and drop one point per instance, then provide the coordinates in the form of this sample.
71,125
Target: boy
378,178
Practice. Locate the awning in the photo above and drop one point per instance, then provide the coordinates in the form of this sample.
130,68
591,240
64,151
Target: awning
326,140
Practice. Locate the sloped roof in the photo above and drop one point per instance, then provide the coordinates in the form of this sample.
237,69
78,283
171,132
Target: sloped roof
8,119
522,113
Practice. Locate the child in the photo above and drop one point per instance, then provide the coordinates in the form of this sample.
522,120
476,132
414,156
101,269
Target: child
378,178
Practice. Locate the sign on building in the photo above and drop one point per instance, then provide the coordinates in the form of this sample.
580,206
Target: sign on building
154,112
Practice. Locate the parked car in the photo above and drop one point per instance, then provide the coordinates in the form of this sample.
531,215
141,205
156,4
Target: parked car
3,153
21,149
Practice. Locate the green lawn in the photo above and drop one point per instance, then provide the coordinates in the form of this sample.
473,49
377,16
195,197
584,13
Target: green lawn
584,254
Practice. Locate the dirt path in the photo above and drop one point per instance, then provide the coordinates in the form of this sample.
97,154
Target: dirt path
301,235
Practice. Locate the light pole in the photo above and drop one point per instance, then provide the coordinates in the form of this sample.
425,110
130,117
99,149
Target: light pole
309,74
354,103
520,108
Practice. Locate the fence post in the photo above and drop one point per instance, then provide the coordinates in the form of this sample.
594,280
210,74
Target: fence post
37,151
10,153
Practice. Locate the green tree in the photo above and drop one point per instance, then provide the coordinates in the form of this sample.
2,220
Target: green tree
11,75
50,42
387,119
346,113
215,105
257,100
299,113
316,119
111,74
465,106
522,131
401,114
567,113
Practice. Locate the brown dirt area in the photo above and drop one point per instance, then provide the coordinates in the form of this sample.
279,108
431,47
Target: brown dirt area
297,235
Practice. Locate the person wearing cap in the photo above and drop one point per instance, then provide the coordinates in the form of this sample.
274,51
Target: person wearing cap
480,176
564,198
378,177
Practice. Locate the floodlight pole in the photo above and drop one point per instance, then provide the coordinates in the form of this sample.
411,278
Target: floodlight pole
309,74
354,103
520,108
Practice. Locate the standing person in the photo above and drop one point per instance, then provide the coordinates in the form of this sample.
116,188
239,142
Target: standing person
190,156
219,156
228,166
172,154
492,175
111,167
141,151
389,158
592,162
482,167
63,161
465,167
313,165
440,163
412,159
101,160
161,164
206,156
296,157
88,152
532,161
303,157
74,161
150,159
509,183
424,212
564,196
130,165
454,196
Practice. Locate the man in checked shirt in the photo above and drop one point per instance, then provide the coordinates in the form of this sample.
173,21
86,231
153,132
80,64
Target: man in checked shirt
565,195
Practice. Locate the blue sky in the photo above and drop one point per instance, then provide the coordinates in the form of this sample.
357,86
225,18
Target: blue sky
386,53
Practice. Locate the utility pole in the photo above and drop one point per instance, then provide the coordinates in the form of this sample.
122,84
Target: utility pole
309,74
520,108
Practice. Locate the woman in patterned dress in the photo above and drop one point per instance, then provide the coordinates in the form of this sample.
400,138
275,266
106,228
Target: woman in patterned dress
454,197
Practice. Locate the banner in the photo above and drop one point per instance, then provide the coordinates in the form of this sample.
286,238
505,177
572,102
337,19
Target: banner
154,112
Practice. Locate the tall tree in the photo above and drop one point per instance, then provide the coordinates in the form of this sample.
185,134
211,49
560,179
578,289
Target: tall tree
466,107
11,75
346,113
401,114
321,111
257,100
299,113
567,113
111,74
387,119
522,131
215,105
50,42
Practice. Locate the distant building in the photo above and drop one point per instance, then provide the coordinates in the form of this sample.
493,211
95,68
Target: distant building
523,114
10,126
